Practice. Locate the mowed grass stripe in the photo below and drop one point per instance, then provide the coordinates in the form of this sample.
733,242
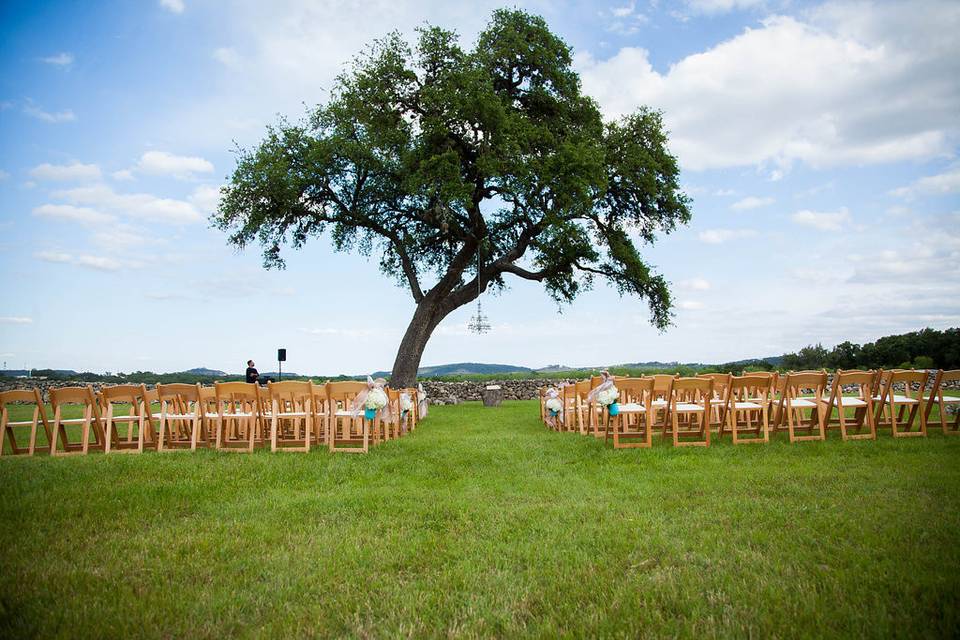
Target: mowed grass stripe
484,523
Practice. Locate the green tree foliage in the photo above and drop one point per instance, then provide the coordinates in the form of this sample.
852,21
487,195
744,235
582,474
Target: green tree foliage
926,349
426,156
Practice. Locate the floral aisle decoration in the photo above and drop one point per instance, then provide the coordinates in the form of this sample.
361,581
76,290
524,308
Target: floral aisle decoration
606,394
423,404
371,399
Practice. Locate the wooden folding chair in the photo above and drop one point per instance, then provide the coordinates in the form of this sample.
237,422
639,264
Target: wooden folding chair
937,398
892,406
238,416
773,380
8,426
568,395
345,427
861,404
803,391
581,390
592,409
414,396
136,417
291,415
90,424
542,392
747,408
691,398
321,429
632,426
181,417
662,388
718,406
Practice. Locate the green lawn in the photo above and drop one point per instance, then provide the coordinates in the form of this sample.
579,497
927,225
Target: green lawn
484,523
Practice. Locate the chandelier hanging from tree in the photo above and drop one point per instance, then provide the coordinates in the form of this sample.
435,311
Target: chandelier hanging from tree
479,323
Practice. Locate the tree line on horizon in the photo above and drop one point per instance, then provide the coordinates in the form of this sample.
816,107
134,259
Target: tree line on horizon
925,349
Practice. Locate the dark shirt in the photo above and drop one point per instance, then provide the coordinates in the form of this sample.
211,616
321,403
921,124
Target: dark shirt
252,374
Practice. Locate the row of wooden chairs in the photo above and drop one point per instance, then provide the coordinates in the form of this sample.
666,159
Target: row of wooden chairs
805,404
229,416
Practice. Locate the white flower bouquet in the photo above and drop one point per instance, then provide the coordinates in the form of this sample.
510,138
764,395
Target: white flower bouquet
406,404
608,396
376,399
554,405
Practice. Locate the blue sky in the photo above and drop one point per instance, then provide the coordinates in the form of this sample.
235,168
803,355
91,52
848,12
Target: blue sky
818,141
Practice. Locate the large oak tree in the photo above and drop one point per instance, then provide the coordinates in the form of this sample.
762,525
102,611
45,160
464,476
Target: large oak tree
427,155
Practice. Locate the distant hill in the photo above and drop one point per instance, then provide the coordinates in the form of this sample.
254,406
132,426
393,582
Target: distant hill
462,369
203,371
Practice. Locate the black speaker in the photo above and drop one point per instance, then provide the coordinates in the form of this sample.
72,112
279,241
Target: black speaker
281,355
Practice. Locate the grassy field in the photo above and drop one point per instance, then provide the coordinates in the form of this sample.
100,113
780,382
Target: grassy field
484,523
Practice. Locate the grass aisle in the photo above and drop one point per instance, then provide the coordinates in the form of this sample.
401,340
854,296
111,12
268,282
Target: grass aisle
483,523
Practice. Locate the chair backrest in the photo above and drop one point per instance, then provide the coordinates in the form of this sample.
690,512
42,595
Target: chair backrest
594,381
150,395
582,389
765,374
179,391
796,383
720,383
246,395
863,380
123,393
854,377
950,376
750,387
72,395
20,395
907,378
635,391
662,383
690,390
295,390
343,393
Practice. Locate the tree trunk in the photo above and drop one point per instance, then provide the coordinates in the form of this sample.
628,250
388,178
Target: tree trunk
428,315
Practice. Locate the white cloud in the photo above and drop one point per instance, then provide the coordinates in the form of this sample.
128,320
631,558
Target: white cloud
34,111
227,56
69,212
722,6
939,184
3,175
751,202
690,305
15,320
97,263
840,86
623,12
139,206
164,163
824,221
62,172
120,237
339,332
695,284
725,192
62,59
205,198
719,236
173,6
122,174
